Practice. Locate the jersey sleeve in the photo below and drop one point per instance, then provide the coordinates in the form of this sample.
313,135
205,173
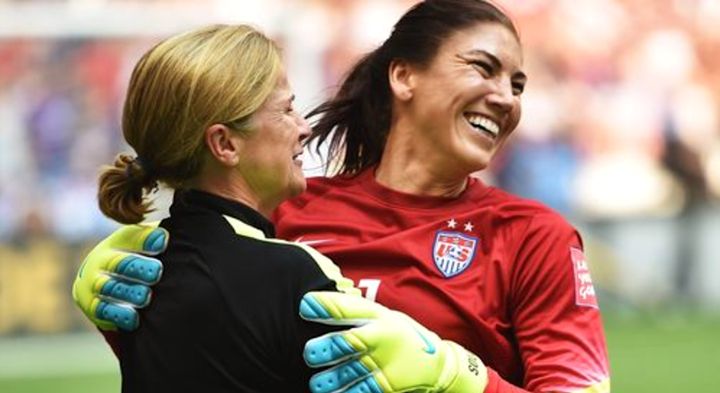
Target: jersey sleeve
554,311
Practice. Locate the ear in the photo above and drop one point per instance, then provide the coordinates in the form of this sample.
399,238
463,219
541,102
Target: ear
224,144
402,79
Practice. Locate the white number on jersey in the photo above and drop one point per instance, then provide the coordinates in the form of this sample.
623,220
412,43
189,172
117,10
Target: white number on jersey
371,286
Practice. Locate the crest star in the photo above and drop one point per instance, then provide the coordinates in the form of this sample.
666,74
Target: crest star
469,227
452,223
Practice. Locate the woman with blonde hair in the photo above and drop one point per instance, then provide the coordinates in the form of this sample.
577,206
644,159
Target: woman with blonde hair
210,114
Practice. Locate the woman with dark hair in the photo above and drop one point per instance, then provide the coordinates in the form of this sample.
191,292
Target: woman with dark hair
503,276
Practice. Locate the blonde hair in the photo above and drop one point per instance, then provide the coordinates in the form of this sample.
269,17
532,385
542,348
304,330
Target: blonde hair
219,74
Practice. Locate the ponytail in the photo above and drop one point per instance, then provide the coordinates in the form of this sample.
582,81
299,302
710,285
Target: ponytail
122,189
357,119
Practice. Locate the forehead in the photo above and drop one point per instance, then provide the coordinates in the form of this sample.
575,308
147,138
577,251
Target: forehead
282,90
490,37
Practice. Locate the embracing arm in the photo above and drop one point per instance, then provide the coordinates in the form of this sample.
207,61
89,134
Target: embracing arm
114,280
387,351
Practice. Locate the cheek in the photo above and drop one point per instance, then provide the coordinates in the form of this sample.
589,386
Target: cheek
514,118
279,137
290,131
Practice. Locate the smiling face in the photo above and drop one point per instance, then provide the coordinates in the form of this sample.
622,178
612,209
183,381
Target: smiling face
466,102
271,156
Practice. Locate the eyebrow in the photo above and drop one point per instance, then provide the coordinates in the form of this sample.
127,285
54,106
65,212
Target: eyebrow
495,61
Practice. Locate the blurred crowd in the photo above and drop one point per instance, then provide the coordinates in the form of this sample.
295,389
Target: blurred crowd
621,113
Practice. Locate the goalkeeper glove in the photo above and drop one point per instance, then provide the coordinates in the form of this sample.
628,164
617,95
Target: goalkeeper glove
386,352
115,278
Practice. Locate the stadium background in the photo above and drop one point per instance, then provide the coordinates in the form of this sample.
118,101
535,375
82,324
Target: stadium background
621,133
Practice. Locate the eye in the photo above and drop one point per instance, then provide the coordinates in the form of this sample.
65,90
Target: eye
486,68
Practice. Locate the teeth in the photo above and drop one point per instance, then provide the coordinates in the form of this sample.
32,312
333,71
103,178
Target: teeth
484,123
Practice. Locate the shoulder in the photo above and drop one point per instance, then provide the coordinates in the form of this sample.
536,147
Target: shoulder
226,244
245,239
320,262
198,228
526,214
540,239
289,259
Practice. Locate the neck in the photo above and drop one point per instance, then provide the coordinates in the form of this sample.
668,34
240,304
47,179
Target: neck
419,170
223,185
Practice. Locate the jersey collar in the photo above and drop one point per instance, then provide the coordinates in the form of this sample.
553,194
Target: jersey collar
227,207
475,190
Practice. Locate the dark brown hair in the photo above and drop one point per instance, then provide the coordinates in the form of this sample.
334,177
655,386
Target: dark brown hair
357,119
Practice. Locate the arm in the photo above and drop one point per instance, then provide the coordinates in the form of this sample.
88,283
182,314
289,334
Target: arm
386,351
558,328
555,313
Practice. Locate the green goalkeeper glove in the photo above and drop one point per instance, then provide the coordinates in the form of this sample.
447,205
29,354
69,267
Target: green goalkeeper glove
115,278
386,352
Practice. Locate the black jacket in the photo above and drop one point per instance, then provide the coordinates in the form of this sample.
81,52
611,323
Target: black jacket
224,317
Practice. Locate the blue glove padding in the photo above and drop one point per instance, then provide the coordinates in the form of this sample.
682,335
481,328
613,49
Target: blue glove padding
386,351
115,278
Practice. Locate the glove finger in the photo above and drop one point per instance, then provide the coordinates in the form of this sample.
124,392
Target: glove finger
121,315
367,385
148,239
137,268
332,348
137,295
156,241
339,377
337,308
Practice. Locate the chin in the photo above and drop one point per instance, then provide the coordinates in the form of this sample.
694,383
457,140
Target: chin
480,166
477,162
297,187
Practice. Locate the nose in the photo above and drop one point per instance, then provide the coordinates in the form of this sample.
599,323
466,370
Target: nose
502,97
303,128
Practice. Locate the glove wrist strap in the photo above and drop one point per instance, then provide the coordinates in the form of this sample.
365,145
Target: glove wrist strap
472,376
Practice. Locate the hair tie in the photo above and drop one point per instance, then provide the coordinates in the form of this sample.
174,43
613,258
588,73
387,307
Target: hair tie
142,164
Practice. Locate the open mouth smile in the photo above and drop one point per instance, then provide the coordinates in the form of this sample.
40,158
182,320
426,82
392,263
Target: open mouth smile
483,124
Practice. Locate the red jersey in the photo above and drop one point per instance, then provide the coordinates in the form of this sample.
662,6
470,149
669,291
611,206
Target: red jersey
503,276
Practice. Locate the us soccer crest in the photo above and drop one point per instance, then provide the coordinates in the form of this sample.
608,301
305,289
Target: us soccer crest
453,252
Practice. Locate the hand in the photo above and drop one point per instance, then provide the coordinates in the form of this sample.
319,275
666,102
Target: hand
115,278
387,352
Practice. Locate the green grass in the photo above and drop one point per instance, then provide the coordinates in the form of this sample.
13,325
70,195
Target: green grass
74,363
654,354
672,354
92,383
